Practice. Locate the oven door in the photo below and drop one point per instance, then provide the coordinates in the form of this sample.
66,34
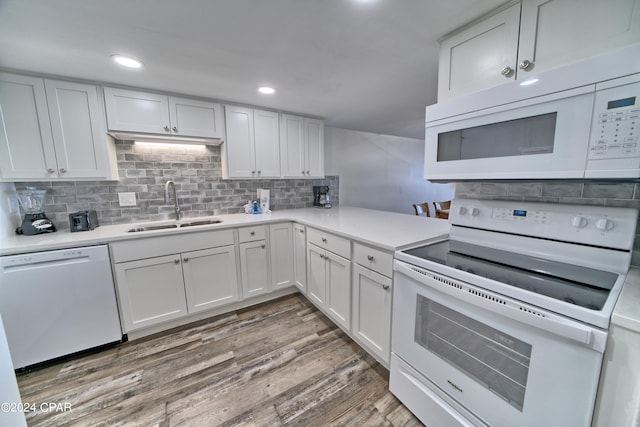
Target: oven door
545,137
504,362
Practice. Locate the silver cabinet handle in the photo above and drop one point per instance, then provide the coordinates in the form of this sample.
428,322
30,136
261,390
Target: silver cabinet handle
370,257
321,256
51,170
385,287
307,172
259,172
525,65
302,231
253,172
324,240
175,129
507,71
63,170
253,233
185,259
263,246
166,128
176,261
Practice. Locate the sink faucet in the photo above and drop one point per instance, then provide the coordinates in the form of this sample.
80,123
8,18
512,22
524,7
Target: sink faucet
176,205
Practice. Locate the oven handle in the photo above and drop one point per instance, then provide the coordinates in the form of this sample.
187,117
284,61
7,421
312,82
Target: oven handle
507,307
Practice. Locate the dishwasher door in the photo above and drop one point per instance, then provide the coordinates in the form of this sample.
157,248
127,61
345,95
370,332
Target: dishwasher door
57,303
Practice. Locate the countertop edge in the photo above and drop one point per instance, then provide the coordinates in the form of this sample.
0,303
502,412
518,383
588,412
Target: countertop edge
114,233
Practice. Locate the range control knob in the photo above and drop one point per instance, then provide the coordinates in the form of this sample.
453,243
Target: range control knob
475,211
604,224
462,210
579,222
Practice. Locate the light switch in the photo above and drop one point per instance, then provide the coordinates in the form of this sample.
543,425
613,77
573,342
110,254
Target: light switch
127,199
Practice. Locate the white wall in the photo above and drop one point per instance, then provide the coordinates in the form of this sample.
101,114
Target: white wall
380,171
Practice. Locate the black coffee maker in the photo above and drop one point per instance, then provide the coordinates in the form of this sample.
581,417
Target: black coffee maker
35,221
321,196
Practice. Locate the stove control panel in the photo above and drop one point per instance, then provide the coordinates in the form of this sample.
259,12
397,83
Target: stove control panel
592,225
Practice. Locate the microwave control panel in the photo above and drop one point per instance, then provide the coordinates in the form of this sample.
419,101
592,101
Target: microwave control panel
616,124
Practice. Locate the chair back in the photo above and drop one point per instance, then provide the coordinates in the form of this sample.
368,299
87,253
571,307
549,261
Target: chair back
421,209
442,209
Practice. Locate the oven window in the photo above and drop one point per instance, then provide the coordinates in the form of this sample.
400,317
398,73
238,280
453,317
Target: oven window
494,359
520,137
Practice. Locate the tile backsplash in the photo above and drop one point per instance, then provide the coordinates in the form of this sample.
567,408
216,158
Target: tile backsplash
619,194
197,172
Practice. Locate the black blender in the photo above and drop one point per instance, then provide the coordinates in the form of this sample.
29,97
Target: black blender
35,221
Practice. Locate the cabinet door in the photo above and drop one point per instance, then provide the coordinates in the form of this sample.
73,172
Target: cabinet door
254,267
239,145
474,58
314,148
372,311
557,32
210,278
191,117
151,291
316,275
300,257
133,111
78,133
26,141
282,258
292,153
338,285
267,143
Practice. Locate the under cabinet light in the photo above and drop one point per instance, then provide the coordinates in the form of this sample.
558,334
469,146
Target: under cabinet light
169,145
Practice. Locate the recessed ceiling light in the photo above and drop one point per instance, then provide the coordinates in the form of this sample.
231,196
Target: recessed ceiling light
126,61
266,90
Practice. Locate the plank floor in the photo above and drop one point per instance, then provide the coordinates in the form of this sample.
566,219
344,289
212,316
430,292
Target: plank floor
275,364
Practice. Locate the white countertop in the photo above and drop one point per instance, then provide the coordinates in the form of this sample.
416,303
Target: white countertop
386,230
627,310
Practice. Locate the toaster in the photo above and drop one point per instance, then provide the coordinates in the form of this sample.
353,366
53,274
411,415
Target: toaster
83,220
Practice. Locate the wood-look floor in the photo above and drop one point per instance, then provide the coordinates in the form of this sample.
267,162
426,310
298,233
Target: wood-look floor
279,363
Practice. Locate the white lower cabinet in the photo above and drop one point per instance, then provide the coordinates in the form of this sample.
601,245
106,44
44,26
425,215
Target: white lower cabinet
329,281
182,275
282,257
210,278
300,258
151,291
254,261
371,311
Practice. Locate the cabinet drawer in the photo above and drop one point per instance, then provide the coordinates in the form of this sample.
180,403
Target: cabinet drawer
251,234
164,245
330,242
373,259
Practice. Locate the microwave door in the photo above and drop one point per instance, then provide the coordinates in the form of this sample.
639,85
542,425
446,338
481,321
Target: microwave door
521,141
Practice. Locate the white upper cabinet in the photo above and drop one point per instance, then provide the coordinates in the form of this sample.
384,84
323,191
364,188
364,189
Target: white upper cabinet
52,130
143,112
251,149
556,32
481,56
301,147
533,36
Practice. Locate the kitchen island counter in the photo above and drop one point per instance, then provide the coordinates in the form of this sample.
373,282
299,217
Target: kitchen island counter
386,230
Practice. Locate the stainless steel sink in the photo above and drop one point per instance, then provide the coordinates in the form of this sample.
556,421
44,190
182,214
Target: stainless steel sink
201,222
150,227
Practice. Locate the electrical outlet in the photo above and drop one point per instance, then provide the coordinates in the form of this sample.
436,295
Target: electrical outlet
127,199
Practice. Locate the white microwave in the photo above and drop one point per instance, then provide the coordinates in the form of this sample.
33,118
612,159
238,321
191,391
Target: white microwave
587,132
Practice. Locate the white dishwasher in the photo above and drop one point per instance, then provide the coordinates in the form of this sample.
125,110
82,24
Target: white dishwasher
56,303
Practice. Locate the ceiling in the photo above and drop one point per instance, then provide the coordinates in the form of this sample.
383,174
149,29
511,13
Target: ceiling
367,65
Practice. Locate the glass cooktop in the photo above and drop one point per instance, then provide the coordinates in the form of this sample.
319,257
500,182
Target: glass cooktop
582,286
